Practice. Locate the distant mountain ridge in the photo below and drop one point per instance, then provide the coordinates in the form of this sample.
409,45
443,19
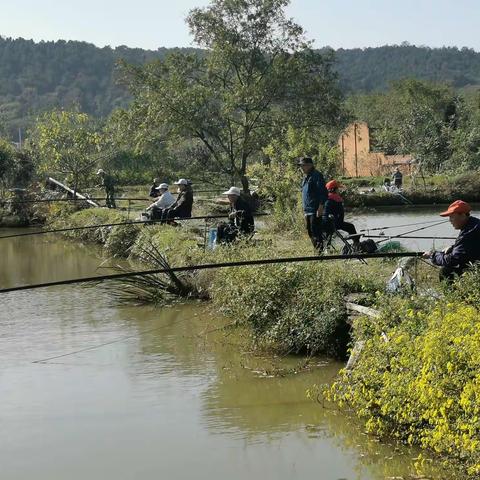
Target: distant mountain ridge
39,76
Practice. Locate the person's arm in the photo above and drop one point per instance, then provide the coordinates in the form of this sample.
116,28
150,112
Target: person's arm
322,194
460,254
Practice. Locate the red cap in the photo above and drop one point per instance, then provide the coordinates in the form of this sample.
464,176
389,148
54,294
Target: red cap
332,185
459,206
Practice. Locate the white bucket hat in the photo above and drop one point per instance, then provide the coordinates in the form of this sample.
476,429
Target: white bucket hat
162,186
182,181
100,170
232,191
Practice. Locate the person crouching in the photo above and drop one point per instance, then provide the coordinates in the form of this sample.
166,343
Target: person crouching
334,213
240,218
182,208
455,259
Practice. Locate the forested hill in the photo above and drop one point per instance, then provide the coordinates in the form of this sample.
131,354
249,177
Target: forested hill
38,76
373,69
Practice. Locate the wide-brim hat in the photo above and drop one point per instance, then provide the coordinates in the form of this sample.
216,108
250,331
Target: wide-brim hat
100,170
232,191
459,206
305,161
162,186
182,181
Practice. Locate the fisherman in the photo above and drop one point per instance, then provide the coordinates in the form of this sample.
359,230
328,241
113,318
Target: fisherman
164,201
154,190
455,259
397,178
314,196
108,183
182,208
241,220
334,212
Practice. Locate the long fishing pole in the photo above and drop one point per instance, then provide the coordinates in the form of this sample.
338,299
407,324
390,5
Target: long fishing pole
413,231
414,237
398,226
131,222
211,266
78,199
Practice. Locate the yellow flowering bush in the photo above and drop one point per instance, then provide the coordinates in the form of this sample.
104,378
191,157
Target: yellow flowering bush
420,380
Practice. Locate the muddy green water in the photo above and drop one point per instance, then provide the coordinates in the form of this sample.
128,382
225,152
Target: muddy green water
155,394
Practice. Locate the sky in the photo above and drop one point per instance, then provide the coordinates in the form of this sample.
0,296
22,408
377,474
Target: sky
152,24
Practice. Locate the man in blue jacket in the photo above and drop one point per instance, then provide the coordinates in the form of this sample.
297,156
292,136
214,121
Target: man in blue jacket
466,250
314,196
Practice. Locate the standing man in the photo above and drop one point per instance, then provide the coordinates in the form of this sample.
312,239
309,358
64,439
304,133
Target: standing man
314,196
397,178
108,183
456,259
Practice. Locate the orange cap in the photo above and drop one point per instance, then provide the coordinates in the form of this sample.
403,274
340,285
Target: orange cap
332,185
459,206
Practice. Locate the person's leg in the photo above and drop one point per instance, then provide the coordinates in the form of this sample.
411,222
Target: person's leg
450,274
112,198
317,233
350,229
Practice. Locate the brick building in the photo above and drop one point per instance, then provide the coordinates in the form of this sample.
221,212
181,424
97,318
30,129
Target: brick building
358,159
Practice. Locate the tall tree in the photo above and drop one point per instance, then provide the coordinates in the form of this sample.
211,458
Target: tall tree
258,75
66,143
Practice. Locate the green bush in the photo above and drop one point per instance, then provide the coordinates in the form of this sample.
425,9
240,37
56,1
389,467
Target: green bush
422,385
296,307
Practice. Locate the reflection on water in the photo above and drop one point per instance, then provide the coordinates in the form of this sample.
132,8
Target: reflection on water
136,392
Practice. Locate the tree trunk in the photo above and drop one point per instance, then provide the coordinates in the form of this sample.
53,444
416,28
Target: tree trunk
245,184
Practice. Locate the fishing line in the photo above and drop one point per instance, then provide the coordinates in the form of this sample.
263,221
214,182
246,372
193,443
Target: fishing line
411,237
398,226
413,231
101,345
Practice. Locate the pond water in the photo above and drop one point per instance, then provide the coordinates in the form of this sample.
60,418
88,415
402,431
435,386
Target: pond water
90,389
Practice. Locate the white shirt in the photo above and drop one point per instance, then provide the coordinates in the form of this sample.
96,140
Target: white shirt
166,200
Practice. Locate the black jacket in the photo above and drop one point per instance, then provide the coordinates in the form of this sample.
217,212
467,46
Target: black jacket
182,207
466,248
244,219
334,207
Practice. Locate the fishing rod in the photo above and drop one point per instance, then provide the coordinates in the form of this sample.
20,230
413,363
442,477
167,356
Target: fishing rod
78,199
131,222
398,226
401,235
211,266
411,237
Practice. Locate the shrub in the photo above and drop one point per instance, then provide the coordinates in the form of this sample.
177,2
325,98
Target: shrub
423,385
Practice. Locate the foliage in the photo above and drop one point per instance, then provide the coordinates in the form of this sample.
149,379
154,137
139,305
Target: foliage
423,385
66,143
258,75
430,121
279,177
292,308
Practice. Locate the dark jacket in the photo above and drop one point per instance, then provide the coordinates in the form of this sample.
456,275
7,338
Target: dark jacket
182,207
466,248
314,192
244,219
153,191
108,182
334,207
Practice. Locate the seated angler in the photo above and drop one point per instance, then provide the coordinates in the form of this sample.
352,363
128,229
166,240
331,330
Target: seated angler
241,220
164,201
466,250
182,208
334,212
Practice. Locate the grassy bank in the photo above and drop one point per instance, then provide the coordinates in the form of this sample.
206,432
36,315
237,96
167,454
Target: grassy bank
287,308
